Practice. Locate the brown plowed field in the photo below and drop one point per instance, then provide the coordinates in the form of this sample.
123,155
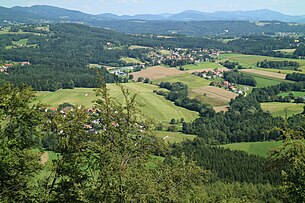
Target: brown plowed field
265,73
156,72
216,93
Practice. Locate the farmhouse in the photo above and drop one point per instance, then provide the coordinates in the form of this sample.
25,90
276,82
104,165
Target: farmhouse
8,65
25,63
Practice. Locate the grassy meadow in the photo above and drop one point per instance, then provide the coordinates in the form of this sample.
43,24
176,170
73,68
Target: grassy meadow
295,93
248,61
131,60
280,108
192,81
202,66
154,106
173,137
255,148
264,81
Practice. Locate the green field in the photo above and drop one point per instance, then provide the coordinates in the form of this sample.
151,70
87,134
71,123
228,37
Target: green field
202,65
192,81
280,108
131,60
296,94
248,61
154,106
132,47
21,42
287,51
173,137
256,148
264,81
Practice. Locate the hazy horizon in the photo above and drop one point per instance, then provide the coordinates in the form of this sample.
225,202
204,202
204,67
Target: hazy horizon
133,7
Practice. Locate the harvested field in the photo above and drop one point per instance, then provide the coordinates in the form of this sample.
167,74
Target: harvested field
265,73
156,72
216,93
221,108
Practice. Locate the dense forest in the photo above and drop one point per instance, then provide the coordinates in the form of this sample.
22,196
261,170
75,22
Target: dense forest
239,78
289,65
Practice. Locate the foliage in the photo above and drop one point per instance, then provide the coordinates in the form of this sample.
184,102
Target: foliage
239,78
19,134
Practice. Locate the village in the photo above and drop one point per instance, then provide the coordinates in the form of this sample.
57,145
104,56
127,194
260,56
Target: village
219,74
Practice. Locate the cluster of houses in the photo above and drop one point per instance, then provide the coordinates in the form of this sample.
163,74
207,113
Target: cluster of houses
94,125
230,87
189,56
210,74
3,68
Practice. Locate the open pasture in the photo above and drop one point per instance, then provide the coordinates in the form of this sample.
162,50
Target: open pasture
157,72
255,148
173,137
248,61
153,106
295,93
204,66
132,47
264,81
131,60
280,108
216,93
192,81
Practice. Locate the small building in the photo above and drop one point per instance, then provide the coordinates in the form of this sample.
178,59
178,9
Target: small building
8,65
25,63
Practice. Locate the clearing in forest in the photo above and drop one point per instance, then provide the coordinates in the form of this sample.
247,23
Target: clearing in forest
156,72
280,108
256,148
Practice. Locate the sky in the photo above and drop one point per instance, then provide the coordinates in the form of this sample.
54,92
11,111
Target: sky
132,7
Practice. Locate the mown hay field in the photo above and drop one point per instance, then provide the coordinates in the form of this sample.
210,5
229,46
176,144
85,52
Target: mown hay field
154,106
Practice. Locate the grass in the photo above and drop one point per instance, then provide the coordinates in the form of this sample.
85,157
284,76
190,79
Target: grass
295,93
132,47
154,106
280,108
288,51
174,137
255,148
165,52
248,61
21,42
264,81
131,60
192,81
203,65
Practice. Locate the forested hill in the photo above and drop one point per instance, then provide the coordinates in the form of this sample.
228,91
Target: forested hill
201,24
200,28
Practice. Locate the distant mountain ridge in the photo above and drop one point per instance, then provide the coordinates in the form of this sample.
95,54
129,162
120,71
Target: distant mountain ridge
54,13
193,15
